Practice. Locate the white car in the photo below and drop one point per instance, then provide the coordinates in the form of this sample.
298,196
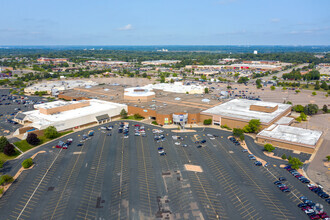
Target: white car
177,143
103,128
209,135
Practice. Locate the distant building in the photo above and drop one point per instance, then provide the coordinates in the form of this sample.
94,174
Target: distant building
53,60
255,52
160,62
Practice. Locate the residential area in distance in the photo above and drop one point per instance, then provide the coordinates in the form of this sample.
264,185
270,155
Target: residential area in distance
98,137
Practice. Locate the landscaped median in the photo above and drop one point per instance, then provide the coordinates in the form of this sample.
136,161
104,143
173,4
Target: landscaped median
23,145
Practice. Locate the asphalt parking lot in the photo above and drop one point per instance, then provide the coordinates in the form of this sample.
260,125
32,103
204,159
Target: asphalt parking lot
8,112
112,177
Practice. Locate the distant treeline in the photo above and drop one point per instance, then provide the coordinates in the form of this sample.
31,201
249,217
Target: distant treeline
187,58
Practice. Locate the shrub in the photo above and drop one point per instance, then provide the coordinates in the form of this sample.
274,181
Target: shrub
9,150
303,116
1,191
269,147
154,123
298,108
284,157
138,116
298,119
207,121
311,109
6,179
51,132
32,139
328,158
314,93
325,109
272,88
1,163
27,163
289,158
226,127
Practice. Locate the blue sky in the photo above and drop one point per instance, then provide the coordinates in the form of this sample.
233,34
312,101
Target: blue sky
165,22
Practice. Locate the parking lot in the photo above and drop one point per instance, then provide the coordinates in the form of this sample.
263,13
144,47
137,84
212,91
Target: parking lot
10,105
124,176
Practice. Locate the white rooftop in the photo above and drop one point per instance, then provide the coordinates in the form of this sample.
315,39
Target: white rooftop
240,108
138,91
177,87
60,85
49,105
74,117
284,121
292,134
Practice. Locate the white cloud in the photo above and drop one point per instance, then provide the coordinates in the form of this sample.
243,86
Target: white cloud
275,20
126,28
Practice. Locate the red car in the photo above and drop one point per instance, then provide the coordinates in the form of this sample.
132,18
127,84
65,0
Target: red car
58,146
314,217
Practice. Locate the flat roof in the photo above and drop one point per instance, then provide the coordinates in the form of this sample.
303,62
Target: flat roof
49,105
95,107
284,121
164,102
240,109
292,134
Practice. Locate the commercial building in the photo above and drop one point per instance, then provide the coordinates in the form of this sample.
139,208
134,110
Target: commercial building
53,60
137,94
238,112
293,138
160,62
55,86
67,115
177,87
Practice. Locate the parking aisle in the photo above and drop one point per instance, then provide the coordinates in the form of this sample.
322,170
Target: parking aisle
119,202
92,190
275,202
206,196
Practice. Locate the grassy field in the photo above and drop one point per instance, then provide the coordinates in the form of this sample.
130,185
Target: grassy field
4,157
23,145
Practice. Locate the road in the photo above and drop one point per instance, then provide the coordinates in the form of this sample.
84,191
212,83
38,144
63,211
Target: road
279,74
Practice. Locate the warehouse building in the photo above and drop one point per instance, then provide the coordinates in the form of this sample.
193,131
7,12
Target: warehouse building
293,138
238,112
67,115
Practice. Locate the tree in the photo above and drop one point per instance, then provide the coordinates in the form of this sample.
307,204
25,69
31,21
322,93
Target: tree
206,90
123,114
27,163
303,116
272,88
3,143
172,81
297,91
295,163
325,109
51,132
284,156
298,108
324,85
207,121
32,139
6,179
314,93
9,150
317,85
253,126
269,147
237,132
311,109
328,158
1,163
243,79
